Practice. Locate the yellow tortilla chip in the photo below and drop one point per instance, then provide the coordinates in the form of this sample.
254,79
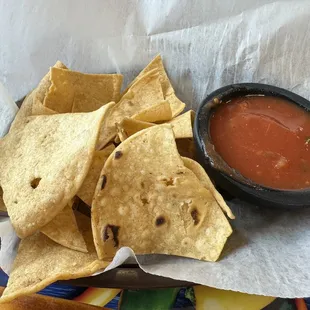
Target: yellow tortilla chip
86,103
40,261
87,190
128,126
156,113
145,93
207,183
148,200
177,106
43,87
182,125
38,93
39,109
64,230
46,161
79,92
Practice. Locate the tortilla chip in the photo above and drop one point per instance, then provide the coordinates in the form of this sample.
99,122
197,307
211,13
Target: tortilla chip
156,113
63,230
46,162
207,183
41,261
182,125
80,92
43,87
177,106
87,190
148,200
129,126
39,109
86,103
145,93
39,93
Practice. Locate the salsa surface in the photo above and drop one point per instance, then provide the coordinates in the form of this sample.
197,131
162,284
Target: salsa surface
267,139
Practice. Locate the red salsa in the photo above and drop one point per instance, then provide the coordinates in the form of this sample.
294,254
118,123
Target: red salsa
266,139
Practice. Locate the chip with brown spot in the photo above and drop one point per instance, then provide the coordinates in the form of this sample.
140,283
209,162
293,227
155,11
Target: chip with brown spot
62,164
207,183
152,159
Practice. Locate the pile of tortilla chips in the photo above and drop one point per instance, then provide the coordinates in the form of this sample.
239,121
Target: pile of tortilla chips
78,138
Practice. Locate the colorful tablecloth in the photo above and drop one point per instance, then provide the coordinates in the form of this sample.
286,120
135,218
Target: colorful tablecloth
190,298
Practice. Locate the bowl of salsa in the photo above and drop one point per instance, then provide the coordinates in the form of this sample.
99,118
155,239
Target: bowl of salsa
254,141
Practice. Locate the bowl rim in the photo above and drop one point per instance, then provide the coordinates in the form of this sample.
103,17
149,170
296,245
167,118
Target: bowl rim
215,99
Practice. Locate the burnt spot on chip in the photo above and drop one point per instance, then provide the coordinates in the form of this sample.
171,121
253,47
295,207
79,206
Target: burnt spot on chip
118,155
105,233
169,182
144,200
103,182
194,214
160,221
35,183
114,229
